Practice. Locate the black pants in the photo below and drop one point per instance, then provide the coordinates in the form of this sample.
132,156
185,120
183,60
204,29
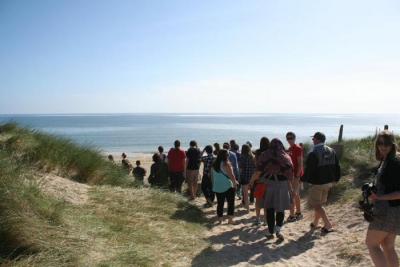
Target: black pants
206,188
273,217
230,198
176,181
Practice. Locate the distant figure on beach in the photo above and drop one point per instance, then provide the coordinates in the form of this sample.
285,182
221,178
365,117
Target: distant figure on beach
258,186
217,148
139,172
193,160
111,158
126,164
206,182
384,228
296,154
322,171
224,185
177,167
163,156
275,164
158,173
247,167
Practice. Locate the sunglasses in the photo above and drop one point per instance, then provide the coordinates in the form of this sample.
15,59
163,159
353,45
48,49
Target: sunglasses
381,143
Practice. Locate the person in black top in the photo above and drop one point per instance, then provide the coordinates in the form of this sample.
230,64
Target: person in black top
139,173
158,173
322,171
385,226
193,156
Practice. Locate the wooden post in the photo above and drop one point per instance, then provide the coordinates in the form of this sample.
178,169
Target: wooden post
340,134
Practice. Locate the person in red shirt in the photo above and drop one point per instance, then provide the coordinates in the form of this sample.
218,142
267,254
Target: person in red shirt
176,166
296,154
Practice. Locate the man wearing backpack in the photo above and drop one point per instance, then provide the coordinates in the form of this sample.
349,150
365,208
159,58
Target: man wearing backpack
322,171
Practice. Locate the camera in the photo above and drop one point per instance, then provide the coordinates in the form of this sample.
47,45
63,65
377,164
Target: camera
367,189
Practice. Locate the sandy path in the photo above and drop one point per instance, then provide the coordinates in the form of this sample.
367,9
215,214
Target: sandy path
245,245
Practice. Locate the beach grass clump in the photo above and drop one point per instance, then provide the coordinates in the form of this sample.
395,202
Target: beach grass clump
52,153
30,222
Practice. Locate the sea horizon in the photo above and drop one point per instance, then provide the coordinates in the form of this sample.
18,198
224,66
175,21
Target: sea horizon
142,133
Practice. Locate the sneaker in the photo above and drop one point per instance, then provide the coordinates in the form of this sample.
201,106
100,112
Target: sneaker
299,216
269,236
291,218
280,237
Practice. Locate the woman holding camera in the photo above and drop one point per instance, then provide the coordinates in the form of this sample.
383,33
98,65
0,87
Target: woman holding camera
385,226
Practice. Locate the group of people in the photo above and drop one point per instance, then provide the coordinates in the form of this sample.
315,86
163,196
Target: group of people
272,176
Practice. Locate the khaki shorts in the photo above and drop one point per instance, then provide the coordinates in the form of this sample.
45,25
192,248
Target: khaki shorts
318,194
296,185
192,176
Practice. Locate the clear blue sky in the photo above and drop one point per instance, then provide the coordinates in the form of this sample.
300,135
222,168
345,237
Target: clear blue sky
199,56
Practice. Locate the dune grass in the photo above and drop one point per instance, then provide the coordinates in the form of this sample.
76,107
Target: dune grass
118,225
51,153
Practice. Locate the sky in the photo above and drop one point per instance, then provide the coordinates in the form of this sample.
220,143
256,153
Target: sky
126,56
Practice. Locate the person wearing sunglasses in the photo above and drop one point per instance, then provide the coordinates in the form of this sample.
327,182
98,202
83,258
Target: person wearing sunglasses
296,154
385,226
322,171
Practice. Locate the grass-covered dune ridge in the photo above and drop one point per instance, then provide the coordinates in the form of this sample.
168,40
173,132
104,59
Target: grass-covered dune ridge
116,226
51,153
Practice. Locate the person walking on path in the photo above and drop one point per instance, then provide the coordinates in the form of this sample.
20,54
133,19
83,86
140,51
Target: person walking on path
296,154
206,182
224,185
275,164
158,172
193,161
177,166
247,168
258,186
233,160
385,226
322,171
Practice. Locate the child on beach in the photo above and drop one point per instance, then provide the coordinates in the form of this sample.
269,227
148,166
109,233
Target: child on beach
158,172
139,173
247,168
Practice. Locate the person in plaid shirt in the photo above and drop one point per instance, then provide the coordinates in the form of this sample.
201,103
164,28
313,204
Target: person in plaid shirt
247,168
206,182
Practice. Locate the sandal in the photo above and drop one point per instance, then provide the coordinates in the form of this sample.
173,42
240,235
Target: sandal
327,231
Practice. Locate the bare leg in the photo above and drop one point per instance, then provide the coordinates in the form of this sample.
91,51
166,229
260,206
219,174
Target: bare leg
373,241
317,216
245,189
258,208
322,214
390,251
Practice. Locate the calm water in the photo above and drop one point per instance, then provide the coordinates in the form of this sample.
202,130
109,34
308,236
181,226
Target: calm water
142,133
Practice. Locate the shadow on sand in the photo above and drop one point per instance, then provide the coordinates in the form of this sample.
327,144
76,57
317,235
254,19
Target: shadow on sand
248,244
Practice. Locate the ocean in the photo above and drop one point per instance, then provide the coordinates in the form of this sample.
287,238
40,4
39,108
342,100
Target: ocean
143,133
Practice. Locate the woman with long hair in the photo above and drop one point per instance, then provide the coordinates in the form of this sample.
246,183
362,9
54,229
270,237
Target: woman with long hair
258,186
224,185
247,167
384,228
275,164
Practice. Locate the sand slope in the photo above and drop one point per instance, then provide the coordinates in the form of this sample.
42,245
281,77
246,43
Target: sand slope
245,245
